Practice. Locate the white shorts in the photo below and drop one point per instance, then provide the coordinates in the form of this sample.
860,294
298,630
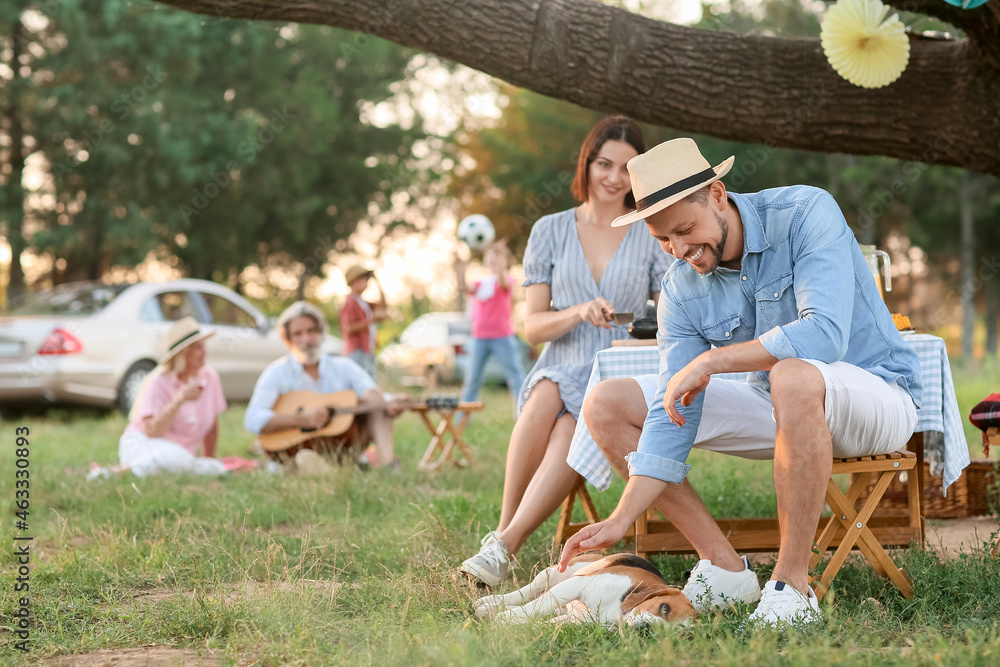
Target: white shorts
866,415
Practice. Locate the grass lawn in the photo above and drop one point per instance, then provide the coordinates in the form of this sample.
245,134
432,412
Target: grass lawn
360,568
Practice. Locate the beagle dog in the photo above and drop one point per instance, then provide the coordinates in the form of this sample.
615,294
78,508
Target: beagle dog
594,589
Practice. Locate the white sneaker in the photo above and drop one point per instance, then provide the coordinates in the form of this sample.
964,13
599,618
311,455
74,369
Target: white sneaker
710,587
492,564
783,604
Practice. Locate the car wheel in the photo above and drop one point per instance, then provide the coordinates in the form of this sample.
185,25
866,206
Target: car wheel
128,388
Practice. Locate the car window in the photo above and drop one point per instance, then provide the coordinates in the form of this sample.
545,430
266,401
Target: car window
66,300
226,312
175,305
151,311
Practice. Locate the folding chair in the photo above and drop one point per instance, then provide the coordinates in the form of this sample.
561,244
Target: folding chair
566,528
850,523
849,528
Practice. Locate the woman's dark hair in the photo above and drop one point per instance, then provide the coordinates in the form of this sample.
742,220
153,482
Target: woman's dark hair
611,128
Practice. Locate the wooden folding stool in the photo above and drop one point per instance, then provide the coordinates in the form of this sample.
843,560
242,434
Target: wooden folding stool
566,528
446,436
850,523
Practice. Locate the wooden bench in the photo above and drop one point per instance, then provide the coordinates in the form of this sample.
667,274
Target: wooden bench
850,527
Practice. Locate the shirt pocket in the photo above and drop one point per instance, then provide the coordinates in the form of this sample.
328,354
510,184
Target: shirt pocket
725,331
776,301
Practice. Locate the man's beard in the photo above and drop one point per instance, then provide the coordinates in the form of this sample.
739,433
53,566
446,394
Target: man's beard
310,356
724,226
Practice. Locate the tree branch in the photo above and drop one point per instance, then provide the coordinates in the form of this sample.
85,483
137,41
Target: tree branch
981,25
776,91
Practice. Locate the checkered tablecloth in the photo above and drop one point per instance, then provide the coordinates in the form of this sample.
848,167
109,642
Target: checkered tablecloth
938,416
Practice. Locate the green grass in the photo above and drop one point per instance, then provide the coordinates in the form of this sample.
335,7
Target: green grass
360,568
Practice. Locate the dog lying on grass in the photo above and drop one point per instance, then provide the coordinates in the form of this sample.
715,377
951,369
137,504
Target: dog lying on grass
610,590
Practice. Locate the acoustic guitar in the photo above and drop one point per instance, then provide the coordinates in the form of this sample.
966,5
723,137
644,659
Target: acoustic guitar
339,432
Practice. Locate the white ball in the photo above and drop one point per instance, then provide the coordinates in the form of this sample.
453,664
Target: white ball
476,231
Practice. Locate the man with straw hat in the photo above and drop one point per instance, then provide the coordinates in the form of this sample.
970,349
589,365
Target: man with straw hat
302,327
771,284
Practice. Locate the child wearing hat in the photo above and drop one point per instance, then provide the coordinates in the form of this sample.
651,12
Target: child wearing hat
358,318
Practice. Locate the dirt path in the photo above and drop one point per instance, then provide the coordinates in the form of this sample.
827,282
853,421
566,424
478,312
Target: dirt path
143,656
954,536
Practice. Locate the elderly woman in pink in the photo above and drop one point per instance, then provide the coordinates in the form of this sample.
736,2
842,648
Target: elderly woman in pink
177,411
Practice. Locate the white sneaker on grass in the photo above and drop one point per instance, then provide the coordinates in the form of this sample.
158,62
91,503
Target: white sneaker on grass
492,564
711,587
781,604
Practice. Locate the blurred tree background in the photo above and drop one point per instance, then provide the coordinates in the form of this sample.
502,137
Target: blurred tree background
236,151
212,144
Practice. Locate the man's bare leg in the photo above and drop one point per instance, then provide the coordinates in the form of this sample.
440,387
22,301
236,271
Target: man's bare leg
380,425
615,411
803,461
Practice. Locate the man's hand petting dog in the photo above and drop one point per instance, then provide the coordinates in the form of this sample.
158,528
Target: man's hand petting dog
596,536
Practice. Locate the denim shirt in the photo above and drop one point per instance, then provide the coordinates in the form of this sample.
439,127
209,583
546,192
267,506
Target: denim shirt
804,290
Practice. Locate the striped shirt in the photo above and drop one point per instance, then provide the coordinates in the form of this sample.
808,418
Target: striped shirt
554,256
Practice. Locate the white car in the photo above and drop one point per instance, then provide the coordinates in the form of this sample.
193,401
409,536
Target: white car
92,344
433,349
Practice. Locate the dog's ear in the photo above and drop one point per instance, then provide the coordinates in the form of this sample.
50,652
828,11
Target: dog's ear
667,602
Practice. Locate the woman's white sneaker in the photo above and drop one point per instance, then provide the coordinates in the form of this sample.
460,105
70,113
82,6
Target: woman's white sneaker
710,587
492,564
782,604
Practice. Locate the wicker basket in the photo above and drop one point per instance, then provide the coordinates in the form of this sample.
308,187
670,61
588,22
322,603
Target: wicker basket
970,495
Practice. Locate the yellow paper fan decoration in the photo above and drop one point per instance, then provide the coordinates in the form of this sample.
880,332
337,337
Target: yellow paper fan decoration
862,47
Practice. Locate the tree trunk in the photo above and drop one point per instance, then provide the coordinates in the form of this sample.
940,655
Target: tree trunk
780,92
992,314
300,292
968,253
234,281
14,187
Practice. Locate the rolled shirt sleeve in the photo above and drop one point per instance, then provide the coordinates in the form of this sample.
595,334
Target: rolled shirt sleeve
663,446
820,250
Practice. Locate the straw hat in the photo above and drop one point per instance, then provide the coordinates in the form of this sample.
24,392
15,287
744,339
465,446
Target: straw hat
667,173
355,272
181,335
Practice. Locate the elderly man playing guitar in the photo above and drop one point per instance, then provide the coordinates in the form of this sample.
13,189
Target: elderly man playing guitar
305,368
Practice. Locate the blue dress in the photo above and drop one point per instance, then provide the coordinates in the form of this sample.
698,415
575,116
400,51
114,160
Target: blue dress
554,256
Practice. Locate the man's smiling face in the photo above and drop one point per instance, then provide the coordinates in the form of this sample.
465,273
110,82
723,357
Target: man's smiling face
694,232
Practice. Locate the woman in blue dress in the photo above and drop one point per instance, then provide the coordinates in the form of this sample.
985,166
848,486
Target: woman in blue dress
579,271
